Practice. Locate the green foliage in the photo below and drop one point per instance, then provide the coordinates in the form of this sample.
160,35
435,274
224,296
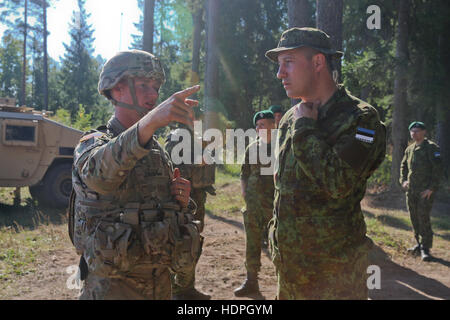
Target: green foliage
62,116
83,121
381,176
248,80
10,66
80,71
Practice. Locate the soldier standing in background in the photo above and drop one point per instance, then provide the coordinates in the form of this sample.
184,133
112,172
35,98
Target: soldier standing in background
329,145
277,113
420,174
202,178
257,190
130,214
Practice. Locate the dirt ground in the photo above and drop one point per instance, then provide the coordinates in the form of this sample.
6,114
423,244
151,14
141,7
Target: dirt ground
221,269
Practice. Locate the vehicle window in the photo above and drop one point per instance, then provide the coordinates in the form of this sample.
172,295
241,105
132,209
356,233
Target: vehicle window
19,133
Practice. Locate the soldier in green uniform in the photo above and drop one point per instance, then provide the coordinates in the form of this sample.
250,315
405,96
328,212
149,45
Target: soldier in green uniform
277,113
257,190
202,178
420,174
130,214
329,145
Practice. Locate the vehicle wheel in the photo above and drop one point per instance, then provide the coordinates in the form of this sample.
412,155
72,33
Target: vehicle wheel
36,191
57,186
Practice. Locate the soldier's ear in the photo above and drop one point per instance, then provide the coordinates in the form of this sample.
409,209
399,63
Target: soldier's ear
319,62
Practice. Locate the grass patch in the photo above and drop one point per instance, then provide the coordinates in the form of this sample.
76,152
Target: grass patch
20,250
228,200
26,233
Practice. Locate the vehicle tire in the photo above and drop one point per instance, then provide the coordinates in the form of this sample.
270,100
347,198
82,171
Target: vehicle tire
57,186
36,191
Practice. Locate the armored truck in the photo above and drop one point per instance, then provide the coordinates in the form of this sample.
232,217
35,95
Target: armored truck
36,152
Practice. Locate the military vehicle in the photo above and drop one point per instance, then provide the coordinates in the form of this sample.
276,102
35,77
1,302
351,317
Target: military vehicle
36,152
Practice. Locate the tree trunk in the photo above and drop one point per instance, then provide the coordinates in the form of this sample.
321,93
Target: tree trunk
197,22
399,125
329,19
149,14
24,74
299,13
212,66
44,6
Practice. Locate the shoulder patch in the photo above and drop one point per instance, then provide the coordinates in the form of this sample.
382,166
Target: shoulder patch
92,135
437,154
365,135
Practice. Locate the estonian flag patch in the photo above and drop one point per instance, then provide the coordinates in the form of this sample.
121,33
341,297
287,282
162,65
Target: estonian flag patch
364,135
437,154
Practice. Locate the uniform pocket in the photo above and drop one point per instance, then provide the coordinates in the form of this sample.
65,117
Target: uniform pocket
187,249
111,242
155,237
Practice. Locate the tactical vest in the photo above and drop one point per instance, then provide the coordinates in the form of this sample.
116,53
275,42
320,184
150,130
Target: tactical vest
138,225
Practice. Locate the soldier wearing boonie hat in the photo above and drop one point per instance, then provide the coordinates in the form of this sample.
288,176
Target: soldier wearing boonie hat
420,174
303,37
329,145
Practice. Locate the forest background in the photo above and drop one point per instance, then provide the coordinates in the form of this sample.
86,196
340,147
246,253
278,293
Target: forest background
396,58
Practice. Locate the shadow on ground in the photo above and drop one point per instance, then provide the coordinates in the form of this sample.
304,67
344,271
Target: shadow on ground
29,215
398,282
234,223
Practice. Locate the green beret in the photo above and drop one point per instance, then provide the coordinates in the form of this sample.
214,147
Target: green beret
275,109
265,114
417,124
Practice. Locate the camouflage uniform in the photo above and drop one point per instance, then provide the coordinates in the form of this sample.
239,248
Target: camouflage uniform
318,235
123,219
202,180
422,168
259,205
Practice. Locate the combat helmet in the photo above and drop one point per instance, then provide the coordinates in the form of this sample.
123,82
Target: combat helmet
134,63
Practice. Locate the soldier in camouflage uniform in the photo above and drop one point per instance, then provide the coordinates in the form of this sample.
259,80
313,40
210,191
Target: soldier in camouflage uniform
202,178
329,145
257,190
420,174
130,214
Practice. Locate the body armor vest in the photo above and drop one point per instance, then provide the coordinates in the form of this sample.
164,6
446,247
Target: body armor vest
137,226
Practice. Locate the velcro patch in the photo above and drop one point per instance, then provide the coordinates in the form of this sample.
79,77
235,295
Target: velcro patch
92,135
365,135
437,154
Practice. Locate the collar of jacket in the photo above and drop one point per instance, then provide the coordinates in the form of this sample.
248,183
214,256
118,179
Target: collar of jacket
340,94
115,127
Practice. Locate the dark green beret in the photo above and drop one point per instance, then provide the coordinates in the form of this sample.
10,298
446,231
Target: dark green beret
275,109
265,114
417,124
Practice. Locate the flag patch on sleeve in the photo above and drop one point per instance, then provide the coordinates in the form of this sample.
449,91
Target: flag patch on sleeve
364,135
437,154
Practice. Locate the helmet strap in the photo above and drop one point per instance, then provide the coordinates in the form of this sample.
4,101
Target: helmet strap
135,106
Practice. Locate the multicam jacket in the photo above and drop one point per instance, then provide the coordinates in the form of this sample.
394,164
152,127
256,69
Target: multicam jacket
124,215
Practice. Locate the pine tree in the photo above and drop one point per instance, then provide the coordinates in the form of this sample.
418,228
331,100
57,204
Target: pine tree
79,69
10,66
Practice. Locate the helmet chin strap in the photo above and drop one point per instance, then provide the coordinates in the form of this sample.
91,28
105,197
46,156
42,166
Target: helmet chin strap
135,106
